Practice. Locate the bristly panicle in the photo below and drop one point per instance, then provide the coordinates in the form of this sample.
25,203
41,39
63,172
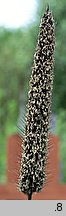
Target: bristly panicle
32,172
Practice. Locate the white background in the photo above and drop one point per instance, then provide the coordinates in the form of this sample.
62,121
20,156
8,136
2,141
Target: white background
17,13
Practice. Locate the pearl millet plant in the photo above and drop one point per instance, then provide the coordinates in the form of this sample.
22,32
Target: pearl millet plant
32,175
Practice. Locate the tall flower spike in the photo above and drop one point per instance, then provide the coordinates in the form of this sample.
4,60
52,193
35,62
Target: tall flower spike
35,147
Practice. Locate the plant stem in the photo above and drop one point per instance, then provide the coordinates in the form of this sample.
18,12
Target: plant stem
30,196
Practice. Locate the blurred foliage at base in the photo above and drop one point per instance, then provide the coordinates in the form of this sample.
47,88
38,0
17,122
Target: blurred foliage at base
17,48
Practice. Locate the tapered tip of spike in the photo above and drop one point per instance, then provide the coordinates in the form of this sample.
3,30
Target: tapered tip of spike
47,7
